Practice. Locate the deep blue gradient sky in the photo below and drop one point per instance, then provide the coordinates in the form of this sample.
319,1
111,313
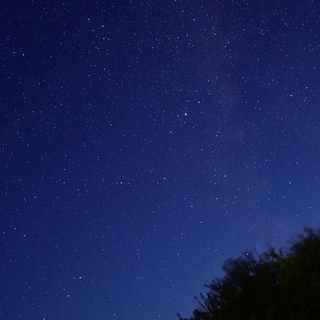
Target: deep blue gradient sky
143,143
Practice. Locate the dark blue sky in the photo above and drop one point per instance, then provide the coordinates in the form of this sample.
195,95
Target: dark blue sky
143,143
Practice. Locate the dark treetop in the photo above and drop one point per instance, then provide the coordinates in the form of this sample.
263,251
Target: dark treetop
269,286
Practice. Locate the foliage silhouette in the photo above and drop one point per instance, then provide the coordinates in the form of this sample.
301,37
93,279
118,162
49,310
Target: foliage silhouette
273,285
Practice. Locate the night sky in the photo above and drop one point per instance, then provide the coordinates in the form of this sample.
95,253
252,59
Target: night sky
143,143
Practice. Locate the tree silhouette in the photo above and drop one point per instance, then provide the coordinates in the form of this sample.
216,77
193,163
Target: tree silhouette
273,285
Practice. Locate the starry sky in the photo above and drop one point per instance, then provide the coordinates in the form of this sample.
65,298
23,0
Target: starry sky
143,143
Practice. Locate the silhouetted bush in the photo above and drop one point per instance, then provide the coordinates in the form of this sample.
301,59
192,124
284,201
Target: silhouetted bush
273,285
